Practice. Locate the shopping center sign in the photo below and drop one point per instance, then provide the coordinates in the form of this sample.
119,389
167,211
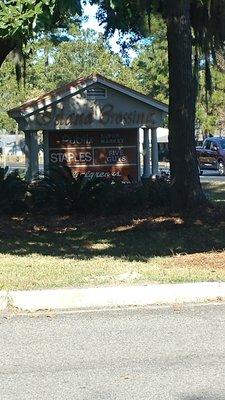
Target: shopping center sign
96,153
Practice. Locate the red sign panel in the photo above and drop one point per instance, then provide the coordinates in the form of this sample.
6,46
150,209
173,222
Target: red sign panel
96,154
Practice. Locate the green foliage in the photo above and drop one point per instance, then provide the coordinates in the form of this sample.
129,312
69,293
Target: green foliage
21,19
211,114
10,95
85,53
58,189
13,192
128,16
106,197
64,194
158,192
150,67
138,19
88,52
134,16
60,193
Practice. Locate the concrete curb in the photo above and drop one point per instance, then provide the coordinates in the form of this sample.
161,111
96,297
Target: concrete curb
120,296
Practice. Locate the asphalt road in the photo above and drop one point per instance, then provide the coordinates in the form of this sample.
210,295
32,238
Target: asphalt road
141,354
211,176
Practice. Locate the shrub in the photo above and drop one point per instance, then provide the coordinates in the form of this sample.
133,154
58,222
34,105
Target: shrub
158,192
106,197
57,192
60,192
13,191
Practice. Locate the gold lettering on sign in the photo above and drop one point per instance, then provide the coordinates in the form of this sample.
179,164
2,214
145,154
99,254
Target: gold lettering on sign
108,116
77,140
109,138
97,174
116,156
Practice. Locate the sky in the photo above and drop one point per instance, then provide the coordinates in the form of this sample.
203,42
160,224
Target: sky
90,12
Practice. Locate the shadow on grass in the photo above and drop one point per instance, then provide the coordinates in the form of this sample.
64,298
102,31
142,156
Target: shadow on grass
215,190
133,238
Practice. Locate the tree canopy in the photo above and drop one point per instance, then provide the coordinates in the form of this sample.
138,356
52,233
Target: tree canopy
195,32
86,52
22,19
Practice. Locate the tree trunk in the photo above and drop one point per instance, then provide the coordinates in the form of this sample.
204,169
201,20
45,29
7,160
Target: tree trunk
186,187
6,46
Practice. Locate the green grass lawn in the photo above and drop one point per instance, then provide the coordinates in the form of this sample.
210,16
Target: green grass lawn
153,247
215,191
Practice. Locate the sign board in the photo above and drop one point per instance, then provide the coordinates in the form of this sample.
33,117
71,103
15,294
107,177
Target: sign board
103,154
106,115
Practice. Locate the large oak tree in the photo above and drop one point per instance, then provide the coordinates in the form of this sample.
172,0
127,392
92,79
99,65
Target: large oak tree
195,31
21,20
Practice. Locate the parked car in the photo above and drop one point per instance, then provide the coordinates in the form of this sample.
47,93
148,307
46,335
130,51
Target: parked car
212,155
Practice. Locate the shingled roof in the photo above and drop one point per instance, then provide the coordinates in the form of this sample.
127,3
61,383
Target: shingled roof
74,87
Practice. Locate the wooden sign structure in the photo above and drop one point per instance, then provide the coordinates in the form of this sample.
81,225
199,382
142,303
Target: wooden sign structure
97,154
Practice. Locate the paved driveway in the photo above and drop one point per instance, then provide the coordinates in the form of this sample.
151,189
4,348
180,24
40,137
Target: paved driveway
142,354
